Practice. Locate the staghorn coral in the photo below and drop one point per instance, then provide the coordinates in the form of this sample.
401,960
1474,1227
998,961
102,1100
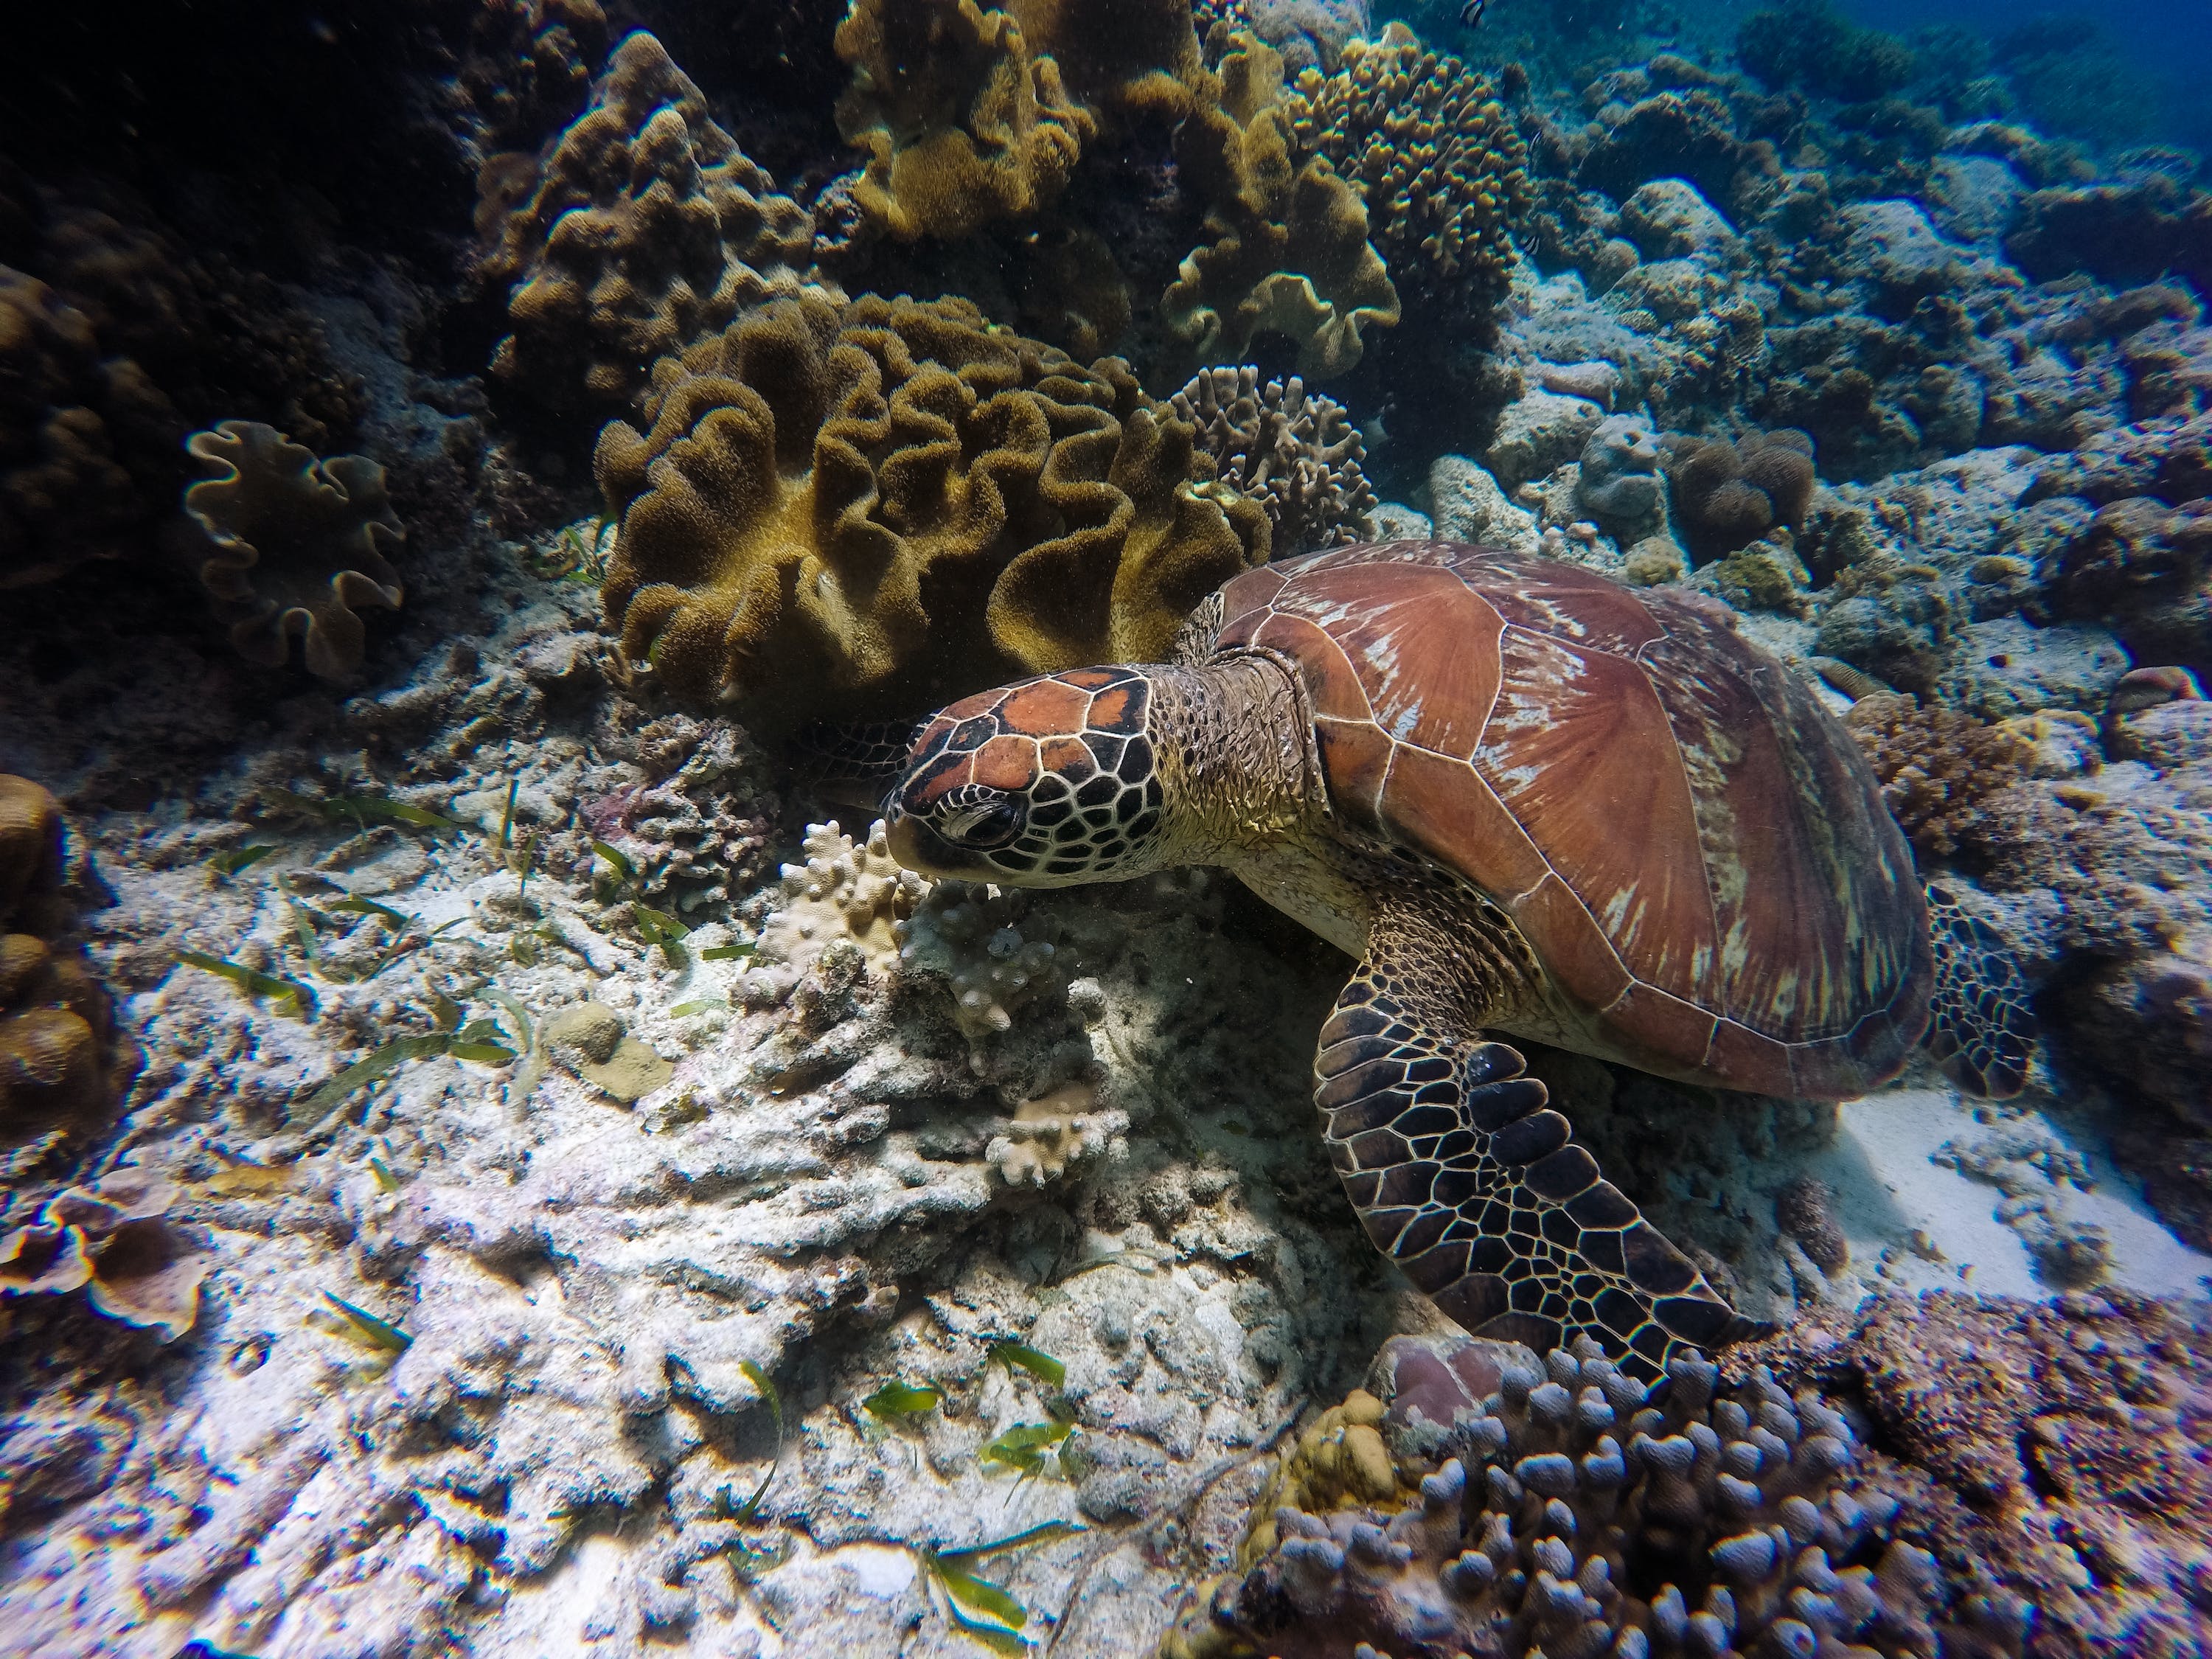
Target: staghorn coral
1475,1501
2057,1448
1295,452
1442,168
293,545
1286,251
643,227
1940,770
111,1241
841,512
1727,495
61,1059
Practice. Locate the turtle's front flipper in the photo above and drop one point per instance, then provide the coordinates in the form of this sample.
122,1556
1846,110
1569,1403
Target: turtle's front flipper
1980,1030
854,764
1461,1173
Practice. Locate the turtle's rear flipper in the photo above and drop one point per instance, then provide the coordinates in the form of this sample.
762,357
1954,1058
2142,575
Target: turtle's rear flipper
1462,1174
1980,1030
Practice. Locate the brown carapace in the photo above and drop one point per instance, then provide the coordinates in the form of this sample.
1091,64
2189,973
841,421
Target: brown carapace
1530,800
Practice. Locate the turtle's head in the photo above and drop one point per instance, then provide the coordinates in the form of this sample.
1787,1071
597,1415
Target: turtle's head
1049,782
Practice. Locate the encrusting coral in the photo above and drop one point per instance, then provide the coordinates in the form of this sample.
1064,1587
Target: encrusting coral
1286,251
1728,495
1480,1501
61,1060
841,512
1939,769
112,1241
291,545
642,228
1295,452
1443,167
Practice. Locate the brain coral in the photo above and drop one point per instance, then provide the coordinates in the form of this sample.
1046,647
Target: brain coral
1443,167
293,545
1294,451
846,511
1727,495
641,228
1287,251
60,1059
1480,1502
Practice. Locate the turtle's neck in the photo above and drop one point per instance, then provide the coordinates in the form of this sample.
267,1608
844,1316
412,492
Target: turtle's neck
1235,744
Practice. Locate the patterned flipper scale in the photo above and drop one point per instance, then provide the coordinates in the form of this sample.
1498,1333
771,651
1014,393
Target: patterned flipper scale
1462,1174
1980,1028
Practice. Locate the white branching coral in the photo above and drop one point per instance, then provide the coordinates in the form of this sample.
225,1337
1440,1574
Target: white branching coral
847,891
972,937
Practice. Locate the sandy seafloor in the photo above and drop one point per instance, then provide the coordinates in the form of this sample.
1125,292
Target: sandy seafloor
640,1262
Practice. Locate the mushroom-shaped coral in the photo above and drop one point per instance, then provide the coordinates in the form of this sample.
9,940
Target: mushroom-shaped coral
643,228
1476,1500
843,512
1619,476
1728,495
1295,452
1287,251
293,545
60,1059
112,1241
1443,167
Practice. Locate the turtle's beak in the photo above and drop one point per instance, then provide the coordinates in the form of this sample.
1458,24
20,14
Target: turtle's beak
922,850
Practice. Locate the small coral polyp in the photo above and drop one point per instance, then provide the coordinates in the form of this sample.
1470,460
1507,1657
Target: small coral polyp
848,510
293,545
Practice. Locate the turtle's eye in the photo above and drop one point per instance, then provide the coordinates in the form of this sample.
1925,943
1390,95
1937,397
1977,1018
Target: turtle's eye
984,823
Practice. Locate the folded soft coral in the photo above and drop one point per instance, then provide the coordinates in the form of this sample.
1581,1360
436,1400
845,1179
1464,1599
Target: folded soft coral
112,1241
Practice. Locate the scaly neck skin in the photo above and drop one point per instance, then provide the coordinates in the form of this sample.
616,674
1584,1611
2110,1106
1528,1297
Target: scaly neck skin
1235,749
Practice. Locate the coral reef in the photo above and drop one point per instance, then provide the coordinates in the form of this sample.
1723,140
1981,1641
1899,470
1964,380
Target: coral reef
61,1060
1294,451
869,509
642,228
1941,771
1728,495
1286,250
1477,1500
971,937
847,894
1441,166
293,546
112,1241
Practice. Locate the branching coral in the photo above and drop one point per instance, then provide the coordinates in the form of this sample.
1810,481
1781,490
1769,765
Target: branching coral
1939,769
1294,451
1728,495
972,938
849,895
1287,251
642,228
111,1241
846,511
293,545
1443,167
1058,1131
1477,1502
60,1058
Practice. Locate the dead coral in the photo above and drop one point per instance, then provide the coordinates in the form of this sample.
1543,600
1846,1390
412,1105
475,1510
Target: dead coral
1443,167
1287,251
293,545
849,511
2058,1447
1728,495
1296,452
61,1059
112,1241
1940,770
963,123
642,228
1477,1501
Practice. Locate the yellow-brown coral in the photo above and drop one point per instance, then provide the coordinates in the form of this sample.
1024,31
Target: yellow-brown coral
1938,769
110,1240
848,510
1442,168
293,545
1286,251
642,228
59,1059
963,122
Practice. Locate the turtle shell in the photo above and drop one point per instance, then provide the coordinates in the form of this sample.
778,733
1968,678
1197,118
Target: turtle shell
1692,845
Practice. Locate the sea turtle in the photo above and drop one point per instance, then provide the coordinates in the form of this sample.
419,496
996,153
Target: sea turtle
1527,800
